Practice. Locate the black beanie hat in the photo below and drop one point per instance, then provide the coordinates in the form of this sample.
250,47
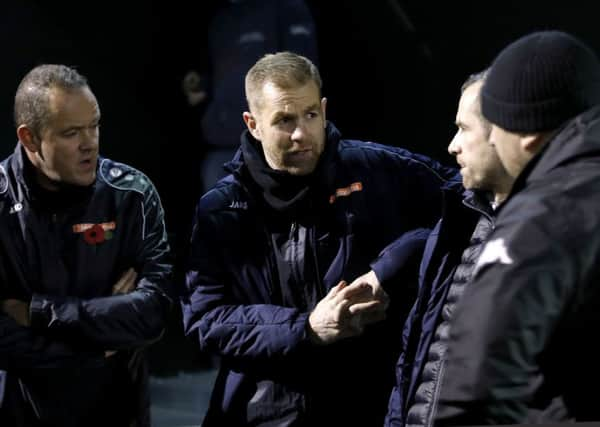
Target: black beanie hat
539,82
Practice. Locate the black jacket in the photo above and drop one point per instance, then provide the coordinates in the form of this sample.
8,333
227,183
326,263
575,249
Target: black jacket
364,196
522,344
63,252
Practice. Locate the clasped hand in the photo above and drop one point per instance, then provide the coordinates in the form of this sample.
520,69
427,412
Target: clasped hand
347,309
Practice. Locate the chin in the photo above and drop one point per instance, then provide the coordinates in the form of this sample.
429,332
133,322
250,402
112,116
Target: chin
468,184
85,181
304,170
300,172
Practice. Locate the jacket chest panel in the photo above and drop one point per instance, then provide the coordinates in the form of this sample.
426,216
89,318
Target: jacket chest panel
72,249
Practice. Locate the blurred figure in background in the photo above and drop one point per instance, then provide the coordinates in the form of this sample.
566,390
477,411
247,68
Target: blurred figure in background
240,32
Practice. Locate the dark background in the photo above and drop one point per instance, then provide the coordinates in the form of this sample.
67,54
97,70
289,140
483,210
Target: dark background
392,71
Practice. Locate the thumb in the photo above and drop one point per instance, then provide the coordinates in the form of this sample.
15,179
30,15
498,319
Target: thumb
336,289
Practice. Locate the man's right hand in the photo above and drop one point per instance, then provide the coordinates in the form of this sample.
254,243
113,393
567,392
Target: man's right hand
126,282
331,319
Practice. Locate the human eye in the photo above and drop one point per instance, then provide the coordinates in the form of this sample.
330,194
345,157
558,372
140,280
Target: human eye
70,133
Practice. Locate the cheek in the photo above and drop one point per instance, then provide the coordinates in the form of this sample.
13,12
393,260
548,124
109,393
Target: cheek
50,155
503,152
318,135
64,156
273,144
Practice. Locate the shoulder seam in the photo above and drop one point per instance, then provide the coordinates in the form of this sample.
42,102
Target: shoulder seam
390,150
121,188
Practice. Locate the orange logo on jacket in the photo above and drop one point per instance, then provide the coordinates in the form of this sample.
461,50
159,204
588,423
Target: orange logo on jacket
346,191
95,233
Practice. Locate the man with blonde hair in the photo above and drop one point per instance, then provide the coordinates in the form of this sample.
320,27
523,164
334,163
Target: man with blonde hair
303,213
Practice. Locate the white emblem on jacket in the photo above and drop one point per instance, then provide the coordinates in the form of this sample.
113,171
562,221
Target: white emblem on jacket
238,205
493,251
17,207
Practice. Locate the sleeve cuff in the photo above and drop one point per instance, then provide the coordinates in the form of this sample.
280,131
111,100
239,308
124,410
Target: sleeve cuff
39,309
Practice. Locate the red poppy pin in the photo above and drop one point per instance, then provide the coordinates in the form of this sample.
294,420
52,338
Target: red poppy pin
94,234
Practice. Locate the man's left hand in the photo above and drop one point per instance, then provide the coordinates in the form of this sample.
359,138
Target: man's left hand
377,292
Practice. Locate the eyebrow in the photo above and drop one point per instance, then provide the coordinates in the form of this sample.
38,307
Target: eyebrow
280,115
96,120
312,107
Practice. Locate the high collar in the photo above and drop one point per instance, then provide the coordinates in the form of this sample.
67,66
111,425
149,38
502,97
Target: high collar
577,139
281,190
480,201
66,195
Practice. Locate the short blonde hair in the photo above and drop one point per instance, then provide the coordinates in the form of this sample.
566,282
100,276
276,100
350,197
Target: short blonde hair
284,69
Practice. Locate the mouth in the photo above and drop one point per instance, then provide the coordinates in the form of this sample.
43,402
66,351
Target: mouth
88,163
300,154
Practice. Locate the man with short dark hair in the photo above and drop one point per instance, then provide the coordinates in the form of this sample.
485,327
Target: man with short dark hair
448,262
274,243
84,267
521,340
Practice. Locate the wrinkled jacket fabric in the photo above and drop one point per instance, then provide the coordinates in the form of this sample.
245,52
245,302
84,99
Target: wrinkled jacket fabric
65,260
365,195
521,343
448,262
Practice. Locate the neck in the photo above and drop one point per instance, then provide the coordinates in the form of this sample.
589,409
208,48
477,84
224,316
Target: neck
42,180
45,182
502,188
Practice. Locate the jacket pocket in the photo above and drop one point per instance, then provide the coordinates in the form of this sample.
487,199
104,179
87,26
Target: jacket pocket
275,404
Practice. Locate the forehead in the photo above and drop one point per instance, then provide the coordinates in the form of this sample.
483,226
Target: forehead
70,100
72,104
277,98
470,98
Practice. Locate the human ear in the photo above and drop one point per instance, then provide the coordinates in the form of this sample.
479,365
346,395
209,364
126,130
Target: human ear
251,124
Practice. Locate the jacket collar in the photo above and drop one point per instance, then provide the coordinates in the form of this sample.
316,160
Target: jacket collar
25,174
250,167
479,201
576,139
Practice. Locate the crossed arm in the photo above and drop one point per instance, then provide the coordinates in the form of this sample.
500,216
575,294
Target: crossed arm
49,330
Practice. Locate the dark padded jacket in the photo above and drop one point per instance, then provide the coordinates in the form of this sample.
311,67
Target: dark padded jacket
63,252
448,262
365,195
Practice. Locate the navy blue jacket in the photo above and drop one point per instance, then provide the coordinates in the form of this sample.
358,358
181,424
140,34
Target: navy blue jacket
55,372
441,256
366,195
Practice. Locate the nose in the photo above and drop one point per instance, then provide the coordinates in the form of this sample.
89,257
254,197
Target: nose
89,138
454,146
299,132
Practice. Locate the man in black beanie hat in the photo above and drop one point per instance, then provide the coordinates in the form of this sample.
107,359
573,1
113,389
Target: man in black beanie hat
521,339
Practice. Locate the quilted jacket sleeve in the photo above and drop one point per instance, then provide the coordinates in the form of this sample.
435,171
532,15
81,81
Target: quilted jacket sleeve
217,320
